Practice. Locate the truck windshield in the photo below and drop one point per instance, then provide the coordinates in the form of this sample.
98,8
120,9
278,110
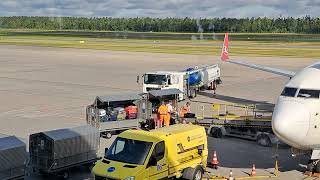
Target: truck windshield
155,79
129,151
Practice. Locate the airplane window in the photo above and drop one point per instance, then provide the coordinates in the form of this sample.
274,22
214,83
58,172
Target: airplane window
305,93
289,92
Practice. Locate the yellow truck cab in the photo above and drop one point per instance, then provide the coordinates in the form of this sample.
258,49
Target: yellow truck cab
170,152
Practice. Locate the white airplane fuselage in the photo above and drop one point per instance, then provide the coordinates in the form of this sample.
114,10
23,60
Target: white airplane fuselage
296,117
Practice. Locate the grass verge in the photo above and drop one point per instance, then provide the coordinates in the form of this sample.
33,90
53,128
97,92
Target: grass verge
305,49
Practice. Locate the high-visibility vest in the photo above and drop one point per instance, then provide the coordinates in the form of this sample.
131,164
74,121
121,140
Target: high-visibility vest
163,110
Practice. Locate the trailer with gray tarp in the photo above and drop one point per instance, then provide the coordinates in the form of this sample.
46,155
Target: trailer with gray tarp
110,114
55,152
13,158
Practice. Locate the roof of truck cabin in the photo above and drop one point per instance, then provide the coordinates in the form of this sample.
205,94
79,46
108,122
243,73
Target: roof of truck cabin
158,134
140,135
175,129
166,72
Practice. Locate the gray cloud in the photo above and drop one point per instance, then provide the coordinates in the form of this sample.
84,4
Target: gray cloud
161,8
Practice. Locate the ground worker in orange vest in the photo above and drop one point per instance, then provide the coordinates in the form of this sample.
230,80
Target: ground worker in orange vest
163,113
184,109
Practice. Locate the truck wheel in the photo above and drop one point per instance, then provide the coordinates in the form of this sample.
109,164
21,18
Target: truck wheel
193,94
317,168
197,174
216,133
108,135
192,174
311,167
264,140
187,173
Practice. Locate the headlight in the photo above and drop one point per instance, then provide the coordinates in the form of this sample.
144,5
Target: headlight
130,178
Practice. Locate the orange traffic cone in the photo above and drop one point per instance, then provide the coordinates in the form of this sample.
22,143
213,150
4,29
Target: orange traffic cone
214,161
231,175
253,171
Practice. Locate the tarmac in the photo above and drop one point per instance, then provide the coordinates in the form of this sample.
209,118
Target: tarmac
43,88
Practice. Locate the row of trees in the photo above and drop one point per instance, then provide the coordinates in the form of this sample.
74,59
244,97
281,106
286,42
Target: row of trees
251,25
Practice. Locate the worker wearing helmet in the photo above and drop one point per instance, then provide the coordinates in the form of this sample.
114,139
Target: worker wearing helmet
163,113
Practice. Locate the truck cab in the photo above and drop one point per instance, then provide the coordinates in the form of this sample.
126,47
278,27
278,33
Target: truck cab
164,80
171,152
189,81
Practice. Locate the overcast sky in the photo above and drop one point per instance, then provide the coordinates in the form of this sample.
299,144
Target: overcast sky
161,8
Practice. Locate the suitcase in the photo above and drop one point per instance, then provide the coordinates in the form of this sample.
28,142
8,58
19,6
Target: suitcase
132,116
189,115
121,116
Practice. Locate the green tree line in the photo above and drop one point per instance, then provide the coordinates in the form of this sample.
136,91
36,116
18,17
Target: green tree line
306,24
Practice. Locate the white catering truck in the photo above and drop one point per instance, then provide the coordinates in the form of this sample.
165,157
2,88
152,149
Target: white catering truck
189,81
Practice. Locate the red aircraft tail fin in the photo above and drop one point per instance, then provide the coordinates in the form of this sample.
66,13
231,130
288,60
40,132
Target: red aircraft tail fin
224,53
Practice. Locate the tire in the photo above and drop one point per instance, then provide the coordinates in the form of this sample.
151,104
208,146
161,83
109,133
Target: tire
192,174
317,167
264,140
187,173
216,132
311,167
212,131
108,135
193,94
198,173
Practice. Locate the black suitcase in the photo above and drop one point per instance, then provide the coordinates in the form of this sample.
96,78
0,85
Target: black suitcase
189,115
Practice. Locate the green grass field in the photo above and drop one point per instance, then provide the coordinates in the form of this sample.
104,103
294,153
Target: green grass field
284,45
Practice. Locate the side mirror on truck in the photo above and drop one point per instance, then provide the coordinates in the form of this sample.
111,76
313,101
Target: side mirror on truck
105,151
138,79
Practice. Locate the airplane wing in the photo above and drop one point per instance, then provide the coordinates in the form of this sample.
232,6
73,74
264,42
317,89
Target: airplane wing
225,57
